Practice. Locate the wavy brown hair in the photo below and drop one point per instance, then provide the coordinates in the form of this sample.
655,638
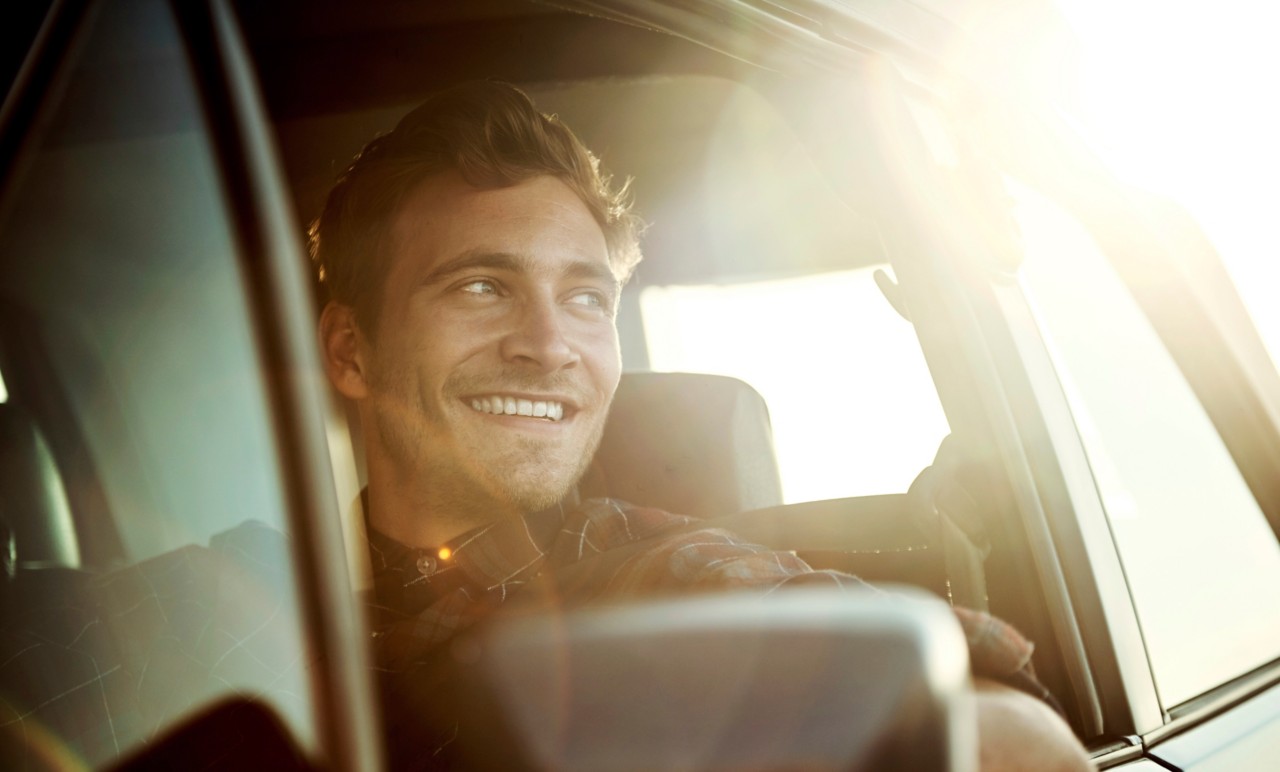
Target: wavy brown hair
492,135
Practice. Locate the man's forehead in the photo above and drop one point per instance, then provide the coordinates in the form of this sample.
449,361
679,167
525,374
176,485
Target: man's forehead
538,225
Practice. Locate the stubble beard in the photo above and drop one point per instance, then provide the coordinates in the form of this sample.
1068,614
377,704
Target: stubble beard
481,479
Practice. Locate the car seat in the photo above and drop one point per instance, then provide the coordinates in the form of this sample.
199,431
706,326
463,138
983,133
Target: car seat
694,444
702,445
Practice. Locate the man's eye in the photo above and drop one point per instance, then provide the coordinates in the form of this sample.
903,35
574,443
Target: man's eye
480,287
592,299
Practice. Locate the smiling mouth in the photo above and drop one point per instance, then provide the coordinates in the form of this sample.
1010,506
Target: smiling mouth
548,410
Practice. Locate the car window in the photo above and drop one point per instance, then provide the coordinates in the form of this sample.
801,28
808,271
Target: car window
1202,564
853,407
128,344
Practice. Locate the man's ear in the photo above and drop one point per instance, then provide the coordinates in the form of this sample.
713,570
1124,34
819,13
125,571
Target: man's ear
344,355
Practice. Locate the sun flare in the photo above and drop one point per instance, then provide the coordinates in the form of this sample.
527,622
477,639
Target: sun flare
1179,99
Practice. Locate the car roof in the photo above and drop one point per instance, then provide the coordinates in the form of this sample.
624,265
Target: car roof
684,111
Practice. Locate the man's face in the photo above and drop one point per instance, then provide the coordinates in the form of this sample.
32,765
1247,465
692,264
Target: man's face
496,355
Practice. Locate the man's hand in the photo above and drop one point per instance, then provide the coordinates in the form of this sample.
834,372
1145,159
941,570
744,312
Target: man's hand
1018,732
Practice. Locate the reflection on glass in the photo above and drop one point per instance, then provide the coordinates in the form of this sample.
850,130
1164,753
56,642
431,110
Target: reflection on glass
121,299
1202,563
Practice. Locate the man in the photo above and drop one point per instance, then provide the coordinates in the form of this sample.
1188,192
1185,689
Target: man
475,257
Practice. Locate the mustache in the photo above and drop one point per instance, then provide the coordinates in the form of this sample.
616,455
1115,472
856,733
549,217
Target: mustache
559,383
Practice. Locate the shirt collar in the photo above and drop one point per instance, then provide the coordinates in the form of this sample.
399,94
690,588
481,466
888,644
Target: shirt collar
507,551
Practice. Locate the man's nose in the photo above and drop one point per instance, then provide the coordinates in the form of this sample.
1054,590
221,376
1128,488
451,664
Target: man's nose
538,337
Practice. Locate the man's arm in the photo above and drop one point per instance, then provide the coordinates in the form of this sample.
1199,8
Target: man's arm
1018,732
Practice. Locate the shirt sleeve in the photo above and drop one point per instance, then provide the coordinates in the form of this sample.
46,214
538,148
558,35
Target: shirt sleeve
714,559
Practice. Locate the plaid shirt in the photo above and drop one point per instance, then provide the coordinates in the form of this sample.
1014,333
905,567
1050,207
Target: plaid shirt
420,601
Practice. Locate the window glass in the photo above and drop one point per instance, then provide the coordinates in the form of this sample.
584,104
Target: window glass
1202,564
123,313
853,406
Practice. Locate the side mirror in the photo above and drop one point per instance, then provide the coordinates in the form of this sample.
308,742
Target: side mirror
807,678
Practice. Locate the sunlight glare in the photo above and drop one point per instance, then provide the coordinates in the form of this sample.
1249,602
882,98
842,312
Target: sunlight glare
1180,99
853,406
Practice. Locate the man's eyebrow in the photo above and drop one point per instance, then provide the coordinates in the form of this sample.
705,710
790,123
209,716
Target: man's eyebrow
592,271
505,261
474,259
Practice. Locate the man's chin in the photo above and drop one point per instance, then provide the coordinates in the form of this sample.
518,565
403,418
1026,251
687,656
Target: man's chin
531,495
534,475
541,485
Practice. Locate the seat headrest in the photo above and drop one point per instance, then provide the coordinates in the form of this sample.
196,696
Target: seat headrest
692,444
34,506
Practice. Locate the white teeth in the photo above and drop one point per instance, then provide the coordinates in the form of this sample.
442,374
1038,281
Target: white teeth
553,411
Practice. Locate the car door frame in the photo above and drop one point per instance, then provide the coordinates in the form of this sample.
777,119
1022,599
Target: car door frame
1222,357
282,319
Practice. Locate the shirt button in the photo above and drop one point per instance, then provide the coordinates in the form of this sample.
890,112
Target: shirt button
427,565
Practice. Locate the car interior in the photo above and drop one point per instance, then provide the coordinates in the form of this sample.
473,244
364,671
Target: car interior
717,153
714,156
715,148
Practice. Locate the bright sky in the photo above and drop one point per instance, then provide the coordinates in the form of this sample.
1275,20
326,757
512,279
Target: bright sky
1180,98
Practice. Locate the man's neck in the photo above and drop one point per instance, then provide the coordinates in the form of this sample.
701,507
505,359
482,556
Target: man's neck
418,515
420,524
